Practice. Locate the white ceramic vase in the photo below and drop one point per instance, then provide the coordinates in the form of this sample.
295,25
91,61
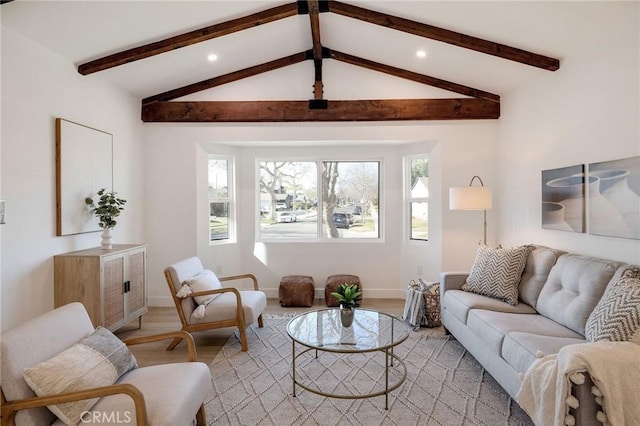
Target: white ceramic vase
106,238
346,315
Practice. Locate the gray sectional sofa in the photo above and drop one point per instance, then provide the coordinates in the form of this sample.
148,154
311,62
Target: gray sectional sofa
557,293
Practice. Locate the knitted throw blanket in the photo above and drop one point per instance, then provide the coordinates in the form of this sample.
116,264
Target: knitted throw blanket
614,368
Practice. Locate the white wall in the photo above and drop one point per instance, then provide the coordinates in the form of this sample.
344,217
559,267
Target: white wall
586,112
177,224
37,87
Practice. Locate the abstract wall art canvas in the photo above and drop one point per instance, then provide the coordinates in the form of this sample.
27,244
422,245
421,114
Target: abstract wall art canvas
563,199
614,201
84,164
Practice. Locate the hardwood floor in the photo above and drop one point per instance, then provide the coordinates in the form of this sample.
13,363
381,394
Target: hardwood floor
160,320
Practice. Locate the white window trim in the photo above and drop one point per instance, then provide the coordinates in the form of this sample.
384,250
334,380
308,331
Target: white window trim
408,199
231,199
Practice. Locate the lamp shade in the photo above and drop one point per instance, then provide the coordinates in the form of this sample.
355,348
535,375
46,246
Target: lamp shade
470,198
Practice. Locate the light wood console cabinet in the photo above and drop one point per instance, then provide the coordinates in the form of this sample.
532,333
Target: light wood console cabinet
111,284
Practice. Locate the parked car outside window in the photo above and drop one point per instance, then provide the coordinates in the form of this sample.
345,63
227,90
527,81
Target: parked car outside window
341,220
286,217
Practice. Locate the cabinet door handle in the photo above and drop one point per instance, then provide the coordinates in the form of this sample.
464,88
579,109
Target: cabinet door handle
127,286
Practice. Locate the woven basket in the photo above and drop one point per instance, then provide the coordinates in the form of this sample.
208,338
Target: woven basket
422,308
431,309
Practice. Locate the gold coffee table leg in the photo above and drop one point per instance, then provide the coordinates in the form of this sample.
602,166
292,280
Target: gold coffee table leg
386,379
293,365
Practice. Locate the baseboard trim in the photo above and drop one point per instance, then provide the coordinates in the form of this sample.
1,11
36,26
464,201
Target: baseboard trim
272,293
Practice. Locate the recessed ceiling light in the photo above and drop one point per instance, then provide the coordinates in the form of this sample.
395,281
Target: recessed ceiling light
212,57
421,53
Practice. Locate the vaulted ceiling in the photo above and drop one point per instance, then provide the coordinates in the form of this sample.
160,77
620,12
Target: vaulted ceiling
355,60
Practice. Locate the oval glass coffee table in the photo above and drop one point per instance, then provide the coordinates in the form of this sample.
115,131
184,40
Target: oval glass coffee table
371,331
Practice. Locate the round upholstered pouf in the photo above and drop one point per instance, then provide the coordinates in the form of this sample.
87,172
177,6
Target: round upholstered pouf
332,285
296,290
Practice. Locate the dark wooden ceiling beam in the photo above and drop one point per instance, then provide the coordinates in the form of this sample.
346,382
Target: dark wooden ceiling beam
445,36
351,110
409,75
314,20
227,78
187,39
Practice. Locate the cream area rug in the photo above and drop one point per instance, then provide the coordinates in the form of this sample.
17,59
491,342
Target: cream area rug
445,385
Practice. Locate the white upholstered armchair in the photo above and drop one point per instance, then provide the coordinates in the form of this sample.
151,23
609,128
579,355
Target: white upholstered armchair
203,303
88,375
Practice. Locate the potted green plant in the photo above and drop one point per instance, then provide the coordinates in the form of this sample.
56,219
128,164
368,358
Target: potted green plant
106,209
347,295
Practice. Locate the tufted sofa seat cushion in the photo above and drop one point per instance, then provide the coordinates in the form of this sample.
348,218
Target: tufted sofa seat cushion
521,349
575,285
492,327
460,303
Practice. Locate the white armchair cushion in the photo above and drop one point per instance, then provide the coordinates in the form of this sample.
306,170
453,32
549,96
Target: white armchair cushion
98,360
224,307
172,393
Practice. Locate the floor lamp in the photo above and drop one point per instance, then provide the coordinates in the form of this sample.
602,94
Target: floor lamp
471,198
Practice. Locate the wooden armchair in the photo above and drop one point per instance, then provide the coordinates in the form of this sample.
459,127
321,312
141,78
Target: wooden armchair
231,308
168,394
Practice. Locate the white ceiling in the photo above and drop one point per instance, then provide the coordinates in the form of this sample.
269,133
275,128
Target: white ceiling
81,31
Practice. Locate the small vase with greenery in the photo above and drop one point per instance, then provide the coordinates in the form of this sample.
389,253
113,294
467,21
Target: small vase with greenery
106,209
348,295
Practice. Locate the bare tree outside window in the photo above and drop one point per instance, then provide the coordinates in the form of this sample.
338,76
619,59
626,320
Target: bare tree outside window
288,199
350,195
345,207
329,198
271,182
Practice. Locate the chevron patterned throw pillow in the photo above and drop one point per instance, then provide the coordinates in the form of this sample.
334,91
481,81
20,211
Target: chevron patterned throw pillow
616,317
496,272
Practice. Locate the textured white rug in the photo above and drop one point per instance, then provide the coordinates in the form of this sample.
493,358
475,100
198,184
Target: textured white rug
444,385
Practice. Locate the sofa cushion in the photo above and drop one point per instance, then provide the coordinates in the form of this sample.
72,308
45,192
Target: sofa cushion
459,303
224,307
520,349
491,327
616,317
539,263
496,272
98,360
574,287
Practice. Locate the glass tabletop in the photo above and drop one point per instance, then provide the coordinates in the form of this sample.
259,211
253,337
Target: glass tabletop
371,330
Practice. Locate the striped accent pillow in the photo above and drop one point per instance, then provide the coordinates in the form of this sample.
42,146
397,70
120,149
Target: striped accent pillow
496,272
616,317
98,360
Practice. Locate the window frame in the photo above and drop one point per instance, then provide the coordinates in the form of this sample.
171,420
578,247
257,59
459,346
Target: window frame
409,199
230,199
259,237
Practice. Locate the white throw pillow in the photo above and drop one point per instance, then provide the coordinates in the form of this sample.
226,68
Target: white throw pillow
496,272
204,281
